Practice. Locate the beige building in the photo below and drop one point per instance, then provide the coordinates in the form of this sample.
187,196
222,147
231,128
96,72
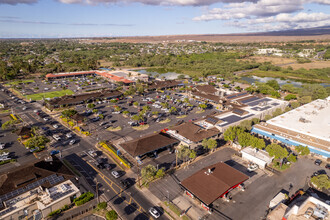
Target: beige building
34,191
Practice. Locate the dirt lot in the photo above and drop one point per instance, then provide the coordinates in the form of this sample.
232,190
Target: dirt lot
273,60
312,65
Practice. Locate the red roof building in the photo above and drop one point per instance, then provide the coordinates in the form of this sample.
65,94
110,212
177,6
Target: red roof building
213,182
104,74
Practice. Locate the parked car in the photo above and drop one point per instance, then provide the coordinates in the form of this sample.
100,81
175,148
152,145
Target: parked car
309,212
55,125
327,166
125,183
154,212
115,174
318,162
107,166
252,167
56,137
68,135
53,152
92,153
72,142
2,145
45,119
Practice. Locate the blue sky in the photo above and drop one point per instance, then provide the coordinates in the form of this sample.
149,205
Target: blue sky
99,18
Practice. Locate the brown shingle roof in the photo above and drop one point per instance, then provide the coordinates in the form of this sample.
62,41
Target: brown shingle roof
206,89
207,96
163,84
73,99
20,177
148,143
209,187
194,132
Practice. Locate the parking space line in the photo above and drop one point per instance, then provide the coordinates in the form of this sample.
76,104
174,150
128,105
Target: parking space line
122,191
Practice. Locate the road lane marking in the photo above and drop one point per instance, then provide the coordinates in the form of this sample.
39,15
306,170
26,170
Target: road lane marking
141,210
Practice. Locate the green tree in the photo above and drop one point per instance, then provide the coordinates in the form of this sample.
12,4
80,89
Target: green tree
137,117
183,152
277,151
294,105
292,158
274,84
69,113
146,108
36,141
244,139
102,206
321,181
290,97
117,108
172,109
111,215
126,112
209,144
202,106
246,125
304,100
91,105
192,154
160,173
232,132
302,150
136,104
148,173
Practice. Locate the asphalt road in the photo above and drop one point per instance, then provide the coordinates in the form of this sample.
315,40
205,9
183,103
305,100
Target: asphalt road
252,203
130,203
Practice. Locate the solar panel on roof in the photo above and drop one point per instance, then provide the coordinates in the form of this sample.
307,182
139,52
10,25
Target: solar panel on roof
238,111
212,120
249,100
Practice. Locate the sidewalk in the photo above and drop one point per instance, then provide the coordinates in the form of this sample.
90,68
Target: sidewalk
189,206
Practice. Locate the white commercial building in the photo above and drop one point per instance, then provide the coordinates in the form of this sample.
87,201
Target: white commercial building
259,157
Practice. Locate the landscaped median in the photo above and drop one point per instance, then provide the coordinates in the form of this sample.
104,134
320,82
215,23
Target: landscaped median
110,150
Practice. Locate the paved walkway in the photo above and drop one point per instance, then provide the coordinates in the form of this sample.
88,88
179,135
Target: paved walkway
189,206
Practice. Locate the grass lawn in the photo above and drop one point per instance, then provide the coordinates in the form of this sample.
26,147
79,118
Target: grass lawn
40,96
200,111
182,116
165,121
17,82
118,128
141,127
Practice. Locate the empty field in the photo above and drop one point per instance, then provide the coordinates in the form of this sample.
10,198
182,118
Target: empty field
40,96
312,65
273,60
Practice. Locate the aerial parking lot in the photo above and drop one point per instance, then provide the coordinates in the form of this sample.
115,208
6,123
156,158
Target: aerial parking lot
123,118
38,89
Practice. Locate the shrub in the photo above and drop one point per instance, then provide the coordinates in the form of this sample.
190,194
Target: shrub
321,181
302,150
292,158
111,215
85,197
102,205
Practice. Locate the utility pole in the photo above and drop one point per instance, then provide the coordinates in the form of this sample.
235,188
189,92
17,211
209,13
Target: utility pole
176,157
97,191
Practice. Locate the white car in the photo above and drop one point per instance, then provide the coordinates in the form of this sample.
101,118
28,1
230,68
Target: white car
55,125
115,174
24,108
115,113
2,145
45,119
68,135
154,212
56,137
252,167
72,142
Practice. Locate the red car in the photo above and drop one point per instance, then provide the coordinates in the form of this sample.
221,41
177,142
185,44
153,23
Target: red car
149,102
